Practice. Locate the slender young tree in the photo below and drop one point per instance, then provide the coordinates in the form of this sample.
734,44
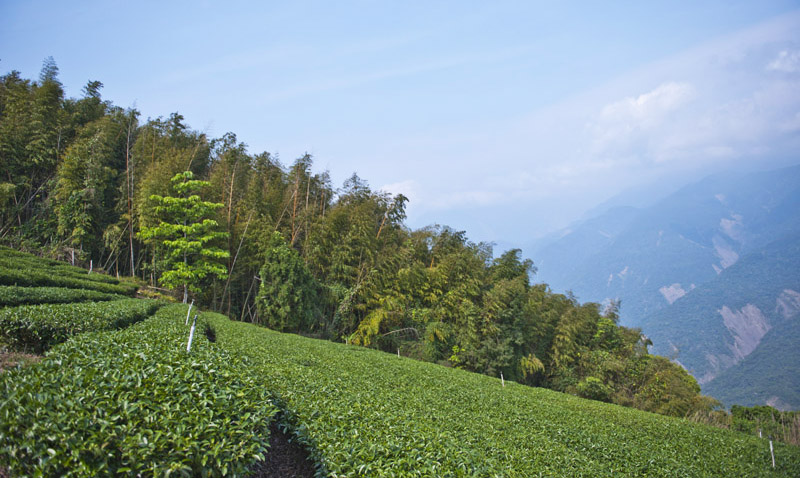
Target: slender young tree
188,235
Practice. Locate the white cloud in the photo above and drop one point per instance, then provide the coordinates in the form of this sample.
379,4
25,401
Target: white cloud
630,123
786,61
704,109
649,107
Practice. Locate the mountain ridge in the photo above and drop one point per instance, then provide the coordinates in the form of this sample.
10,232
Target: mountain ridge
672,262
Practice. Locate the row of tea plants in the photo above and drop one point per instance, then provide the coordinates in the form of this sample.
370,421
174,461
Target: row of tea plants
11,295
368,413
133,402
23,269
36,328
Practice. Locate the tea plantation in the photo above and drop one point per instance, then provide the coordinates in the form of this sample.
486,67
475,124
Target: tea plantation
117,394
367,413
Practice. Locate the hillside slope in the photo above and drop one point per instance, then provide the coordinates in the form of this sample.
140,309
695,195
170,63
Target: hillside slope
368,413
652,256
756,380
730,318
705,272
141,401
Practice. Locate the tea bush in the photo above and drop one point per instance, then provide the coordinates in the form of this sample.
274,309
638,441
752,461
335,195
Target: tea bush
36,328
367,413
22,269
133,402
38,278
15,295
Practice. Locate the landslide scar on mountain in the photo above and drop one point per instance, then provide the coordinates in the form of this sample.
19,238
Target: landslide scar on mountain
788,303
747,326
725,252
674,292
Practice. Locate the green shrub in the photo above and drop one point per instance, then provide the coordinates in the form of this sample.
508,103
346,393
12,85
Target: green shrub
22,269
593,388
288,295
367,413
40,278
134,403
36,328
15,295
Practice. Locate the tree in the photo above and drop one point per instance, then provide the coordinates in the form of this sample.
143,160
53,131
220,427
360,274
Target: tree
188,235
161,149
86,186
287,298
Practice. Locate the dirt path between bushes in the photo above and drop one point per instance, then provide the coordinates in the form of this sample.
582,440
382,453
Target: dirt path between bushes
284,459
12,359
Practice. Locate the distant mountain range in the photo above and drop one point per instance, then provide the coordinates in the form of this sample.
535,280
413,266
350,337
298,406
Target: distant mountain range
711,274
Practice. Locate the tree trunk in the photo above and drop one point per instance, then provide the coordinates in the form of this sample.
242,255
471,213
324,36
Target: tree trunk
129,193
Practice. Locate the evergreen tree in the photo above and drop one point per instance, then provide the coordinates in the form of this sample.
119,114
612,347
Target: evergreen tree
287,298
188,235
87,184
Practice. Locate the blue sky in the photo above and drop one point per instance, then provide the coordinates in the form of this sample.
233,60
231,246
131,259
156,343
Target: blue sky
506,119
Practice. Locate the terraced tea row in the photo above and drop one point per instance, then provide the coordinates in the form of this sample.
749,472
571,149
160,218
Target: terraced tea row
367,413
22,269
15,295
36,328
134,403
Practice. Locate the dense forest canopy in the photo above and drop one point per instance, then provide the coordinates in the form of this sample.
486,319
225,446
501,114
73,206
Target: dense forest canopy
279,245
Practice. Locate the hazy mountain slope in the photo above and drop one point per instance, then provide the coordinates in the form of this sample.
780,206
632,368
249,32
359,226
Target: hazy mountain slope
768,375
562,255
723,322
707,273
652,257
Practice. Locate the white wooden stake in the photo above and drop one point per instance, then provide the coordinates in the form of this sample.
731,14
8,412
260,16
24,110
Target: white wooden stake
772,453
398,352
91,265
191,334
189,312
502,380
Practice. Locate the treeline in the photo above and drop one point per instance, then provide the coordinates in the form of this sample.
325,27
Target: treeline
87,178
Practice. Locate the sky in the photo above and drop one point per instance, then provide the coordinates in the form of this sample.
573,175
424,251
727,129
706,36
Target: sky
507,120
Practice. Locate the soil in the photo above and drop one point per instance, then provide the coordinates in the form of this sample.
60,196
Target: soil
285,459
10,360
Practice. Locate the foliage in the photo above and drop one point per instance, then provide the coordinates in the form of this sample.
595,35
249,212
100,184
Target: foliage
594,388
38,278
287,295
39,327
366,413
134,403
21,269
127,195
187,233
768,422
15,295
87,183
